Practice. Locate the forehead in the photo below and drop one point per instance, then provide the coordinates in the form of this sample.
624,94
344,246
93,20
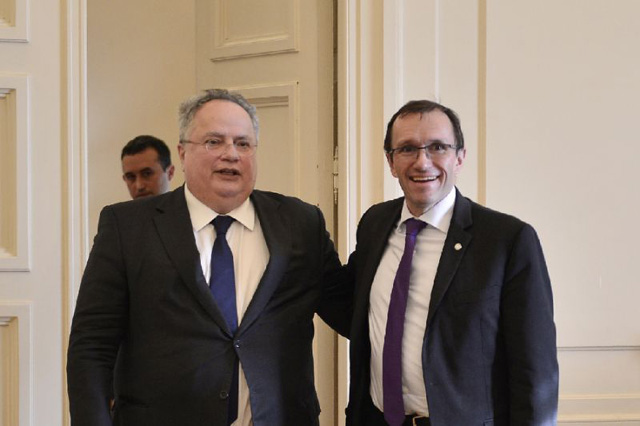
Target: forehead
422,127
224,114
141,160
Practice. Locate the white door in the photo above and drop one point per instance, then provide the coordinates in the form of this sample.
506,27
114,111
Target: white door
40,118
279,54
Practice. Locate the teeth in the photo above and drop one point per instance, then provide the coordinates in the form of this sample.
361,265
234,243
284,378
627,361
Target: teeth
425,179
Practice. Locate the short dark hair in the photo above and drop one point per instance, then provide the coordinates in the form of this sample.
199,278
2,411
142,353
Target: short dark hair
424,107
142,142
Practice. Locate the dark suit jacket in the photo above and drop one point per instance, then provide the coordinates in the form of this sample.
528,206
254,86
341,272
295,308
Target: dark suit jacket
143,294
489,350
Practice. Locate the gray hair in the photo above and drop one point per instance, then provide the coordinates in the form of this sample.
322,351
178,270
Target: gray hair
190,107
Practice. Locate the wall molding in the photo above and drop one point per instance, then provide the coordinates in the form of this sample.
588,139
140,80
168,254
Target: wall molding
604,408
602,420
17,359
9,362
224,46
75,215
283,94
598,348
602,393
15,216
14,21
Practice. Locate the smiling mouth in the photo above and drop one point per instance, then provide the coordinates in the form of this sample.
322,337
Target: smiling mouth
423,179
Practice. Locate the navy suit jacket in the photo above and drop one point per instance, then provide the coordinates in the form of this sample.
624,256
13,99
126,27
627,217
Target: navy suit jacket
144,300
489,350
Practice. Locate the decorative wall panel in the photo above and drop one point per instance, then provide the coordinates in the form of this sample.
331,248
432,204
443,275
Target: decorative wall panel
9,363
15,363
14,176
270,28
605,385
277,107
13,20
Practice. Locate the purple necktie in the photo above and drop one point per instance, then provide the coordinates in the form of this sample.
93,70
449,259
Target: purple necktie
392,350
223,287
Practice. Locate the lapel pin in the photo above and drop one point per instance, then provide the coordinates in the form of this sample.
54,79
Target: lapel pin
457,247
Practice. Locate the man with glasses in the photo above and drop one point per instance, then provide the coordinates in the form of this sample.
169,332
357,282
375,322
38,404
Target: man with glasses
199,303
453,316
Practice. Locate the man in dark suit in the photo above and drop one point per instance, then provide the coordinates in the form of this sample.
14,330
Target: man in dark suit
186,325
453,318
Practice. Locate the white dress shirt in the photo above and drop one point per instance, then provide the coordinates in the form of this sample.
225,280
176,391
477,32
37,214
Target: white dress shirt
429,245
250,258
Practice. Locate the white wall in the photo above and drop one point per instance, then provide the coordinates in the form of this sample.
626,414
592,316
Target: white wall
141,65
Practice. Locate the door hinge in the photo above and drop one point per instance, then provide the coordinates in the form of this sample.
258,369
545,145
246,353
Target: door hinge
335,176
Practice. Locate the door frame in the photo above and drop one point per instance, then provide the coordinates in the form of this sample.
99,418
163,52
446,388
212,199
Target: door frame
75,236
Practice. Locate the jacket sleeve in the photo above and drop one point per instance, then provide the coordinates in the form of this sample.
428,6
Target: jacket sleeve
336,304
98,328
530,334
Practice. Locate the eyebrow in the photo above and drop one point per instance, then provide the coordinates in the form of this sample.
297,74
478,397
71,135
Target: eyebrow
427,142
222,135
214,134
133,173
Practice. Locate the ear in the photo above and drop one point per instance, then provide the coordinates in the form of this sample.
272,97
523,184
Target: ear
391,166
181,154
170,171
460,156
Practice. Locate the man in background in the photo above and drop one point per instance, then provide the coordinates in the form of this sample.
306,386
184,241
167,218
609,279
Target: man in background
453,317
146,166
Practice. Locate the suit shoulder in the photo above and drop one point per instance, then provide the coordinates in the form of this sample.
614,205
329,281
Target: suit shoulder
141,208
286,201
291,210
488,213
495,221
382,210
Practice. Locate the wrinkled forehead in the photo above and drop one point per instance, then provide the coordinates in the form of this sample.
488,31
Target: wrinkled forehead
422,127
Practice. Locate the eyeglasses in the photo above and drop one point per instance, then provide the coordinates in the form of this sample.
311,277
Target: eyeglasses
244,148
411,152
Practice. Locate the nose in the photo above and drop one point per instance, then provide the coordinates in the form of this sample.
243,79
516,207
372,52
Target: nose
140,185
423,156
229,151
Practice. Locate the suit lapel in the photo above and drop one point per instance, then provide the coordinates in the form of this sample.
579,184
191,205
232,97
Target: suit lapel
278,238
454,248
173,224
374,243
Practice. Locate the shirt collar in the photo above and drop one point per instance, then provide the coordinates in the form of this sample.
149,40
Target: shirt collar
439,216
201,215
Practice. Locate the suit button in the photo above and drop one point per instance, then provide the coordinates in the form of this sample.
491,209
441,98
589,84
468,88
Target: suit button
224,394
236,343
